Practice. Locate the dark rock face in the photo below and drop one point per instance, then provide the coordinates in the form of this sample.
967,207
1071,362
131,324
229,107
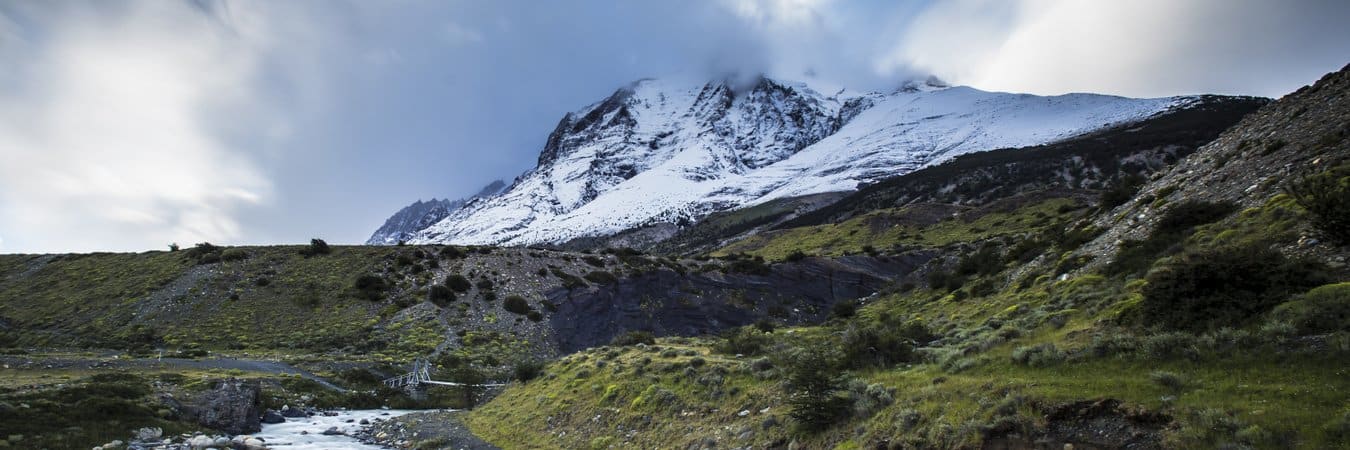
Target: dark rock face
233,406
1091,424
666,303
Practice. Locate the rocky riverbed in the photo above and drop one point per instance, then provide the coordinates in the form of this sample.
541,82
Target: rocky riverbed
441,429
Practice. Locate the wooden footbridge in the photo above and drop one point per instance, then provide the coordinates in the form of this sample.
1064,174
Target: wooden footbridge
421,375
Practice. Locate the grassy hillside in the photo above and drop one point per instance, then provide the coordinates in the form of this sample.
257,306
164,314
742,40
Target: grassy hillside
1210,314
1036,358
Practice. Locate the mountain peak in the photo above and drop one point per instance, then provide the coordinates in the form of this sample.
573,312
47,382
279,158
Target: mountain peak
670,151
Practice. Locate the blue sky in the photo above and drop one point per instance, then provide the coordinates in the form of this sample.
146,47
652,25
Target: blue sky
126,125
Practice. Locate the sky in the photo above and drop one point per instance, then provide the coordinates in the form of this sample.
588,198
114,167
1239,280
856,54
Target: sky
128,125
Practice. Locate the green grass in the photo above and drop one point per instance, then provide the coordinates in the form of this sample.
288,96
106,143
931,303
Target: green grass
891,228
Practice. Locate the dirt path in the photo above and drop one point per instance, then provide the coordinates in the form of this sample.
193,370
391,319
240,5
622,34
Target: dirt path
247,365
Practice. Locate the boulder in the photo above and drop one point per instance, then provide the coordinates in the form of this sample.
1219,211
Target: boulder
332,431
201,441
287,411
271,416
233,406
148,434
254,443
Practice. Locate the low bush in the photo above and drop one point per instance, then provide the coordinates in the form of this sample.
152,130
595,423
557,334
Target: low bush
316,247
1167,380
204,253
441,295
1228,286
844,309
451,252
516,304
1040,355
601,277
743,341
879,346
749,266
1136,256
371,287
1172,345
568,280
457,282
234,254
1120,192
633,338
1326,197
524,371
945,281
1325,309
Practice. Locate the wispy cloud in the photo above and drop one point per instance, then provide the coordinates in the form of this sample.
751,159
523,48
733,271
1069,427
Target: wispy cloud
113,123
1139,48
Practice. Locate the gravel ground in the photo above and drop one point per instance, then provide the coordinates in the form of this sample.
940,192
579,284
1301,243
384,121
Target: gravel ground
408,430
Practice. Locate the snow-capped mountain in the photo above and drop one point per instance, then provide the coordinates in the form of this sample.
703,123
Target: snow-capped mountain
661,151
418,216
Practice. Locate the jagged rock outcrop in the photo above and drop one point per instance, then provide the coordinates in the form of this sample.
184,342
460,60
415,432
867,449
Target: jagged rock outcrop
1301,133
232,406
405,223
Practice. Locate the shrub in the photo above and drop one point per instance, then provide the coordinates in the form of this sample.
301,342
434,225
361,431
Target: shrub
844,309
749,266
527,370
1165,346
484,284
765,325
548,306
457,282
594,260
945,281
516,304
1325,309
568,280
1227,286
1326,197
795,255
441,295
987,260
534,316
316,247
633,338
867,399
601,277
1135,257
371,287
742,341
234,254
451,252
1037,355
1121,191
866,347
204,253
1167,380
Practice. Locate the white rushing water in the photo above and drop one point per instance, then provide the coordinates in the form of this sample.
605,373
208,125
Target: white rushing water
307,433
